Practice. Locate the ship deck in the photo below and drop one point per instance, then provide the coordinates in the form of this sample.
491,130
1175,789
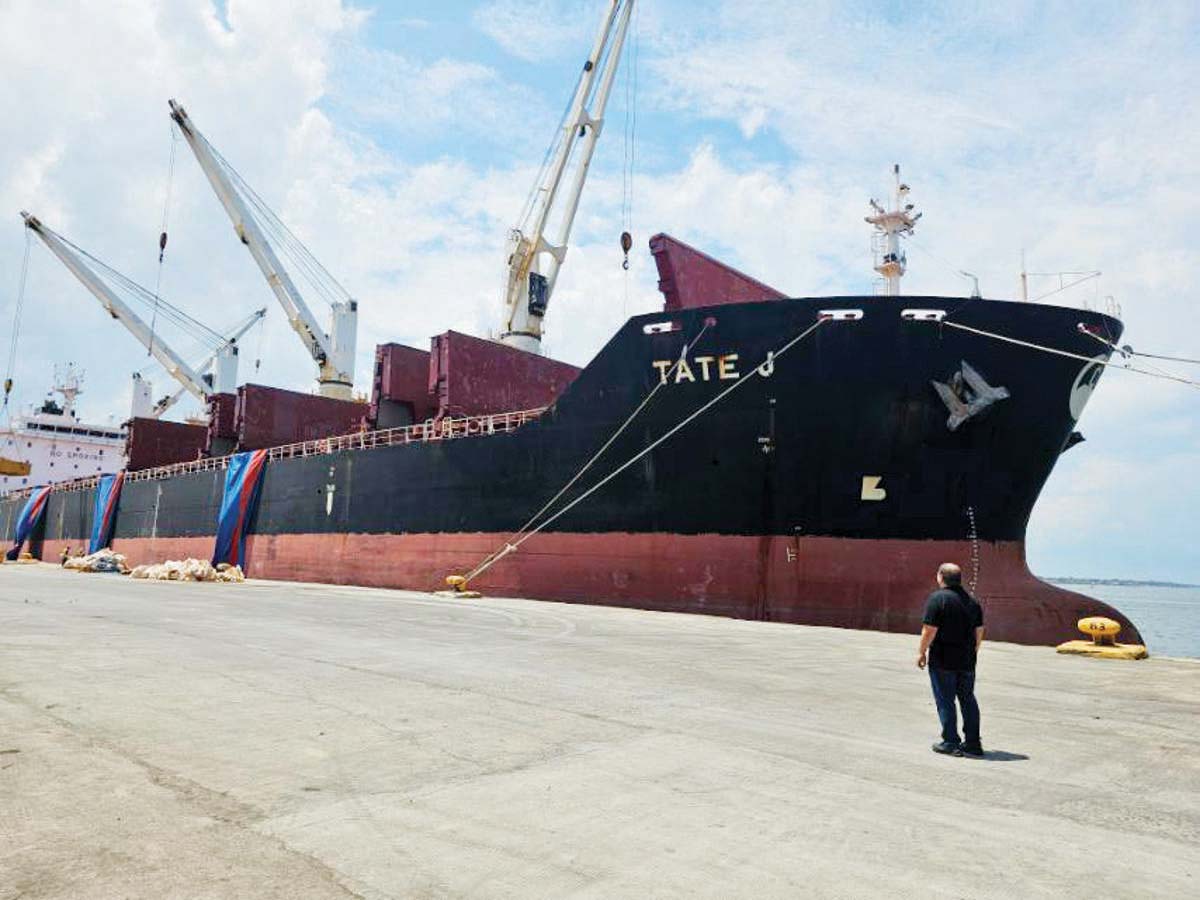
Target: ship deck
290,740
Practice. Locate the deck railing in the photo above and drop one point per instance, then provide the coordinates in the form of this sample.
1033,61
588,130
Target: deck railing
423,432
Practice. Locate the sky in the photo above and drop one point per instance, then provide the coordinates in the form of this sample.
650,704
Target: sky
398,141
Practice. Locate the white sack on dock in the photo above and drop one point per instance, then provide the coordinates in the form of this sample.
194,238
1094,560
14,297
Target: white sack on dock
101,561
188,570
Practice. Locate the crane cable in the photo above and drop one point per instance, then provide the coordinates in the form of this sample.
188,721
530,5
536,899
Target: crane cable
162,237
134,291
629,163
768,365
16,328
285,241
258,352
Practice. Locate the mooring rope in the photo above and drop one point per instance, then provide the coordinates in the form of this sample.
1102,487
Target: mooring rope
512,546
1128,351
1057,352
683,352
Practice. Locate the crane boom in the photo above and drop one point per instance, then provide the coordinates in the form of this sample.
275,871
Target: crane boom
533,261
224,359
191,380
333,352
222,362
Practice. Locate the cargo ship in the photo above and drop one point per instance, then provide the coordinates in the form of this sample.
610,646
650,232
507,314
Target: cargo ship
738,453
824,490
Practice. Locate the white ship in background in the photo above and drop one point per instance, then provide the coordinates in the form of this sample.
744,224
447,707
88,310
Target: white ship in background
49,443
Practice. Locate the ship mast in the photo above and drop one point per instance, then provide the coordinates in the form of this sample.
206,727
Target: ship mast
68,382
890,224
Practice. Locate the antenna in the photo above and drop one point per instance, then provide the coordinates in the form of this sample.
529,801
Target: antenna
975,295
890,260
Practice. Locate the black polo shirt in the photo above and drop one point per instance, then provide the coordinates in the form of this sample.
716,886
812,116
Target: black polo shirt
956,615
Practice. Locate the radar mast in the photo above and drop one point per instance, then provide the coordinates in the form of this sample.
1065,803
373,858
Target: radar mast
890,224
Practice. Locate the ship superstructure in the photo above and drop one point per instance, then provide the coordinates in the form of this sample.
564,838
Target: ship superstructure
49,443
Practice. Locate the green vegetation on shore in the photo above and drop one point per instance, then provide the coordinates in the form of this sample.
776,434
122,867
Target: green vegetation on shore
1119,582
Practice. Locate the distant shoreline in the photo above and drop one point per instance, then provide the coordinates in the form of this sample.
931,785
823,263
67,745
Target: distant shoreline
1119,582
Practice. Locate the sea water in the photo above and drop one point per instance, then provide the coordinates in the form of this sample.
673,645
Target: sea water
1168,617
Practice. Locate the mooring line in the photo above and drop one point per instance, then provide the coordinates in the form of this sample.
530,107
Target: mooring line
1055,351
504,550
511,547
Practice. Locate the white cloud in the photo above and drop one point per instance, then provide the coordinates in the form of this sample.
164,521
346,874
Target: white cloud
86,144
382,90
534,30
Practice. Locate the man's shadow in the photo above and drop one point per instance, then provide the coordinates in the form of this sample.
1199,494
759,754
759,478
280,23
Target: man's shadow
1001,756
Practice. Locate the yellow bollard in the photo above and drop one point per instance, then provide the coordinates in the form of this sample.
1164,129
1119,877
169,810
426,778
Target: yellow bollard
1103,644
458,588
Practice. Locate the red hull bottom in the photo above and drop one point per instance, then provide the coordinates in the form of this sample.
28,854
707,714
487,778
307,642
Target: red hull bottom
867,584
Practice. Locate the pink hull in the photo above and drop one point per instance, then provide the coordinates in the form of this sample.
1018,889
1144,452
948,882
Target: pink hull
868,584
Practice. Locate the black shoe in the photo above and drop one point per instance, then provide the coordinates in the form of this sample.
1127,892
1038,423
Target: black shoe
948,748
973,750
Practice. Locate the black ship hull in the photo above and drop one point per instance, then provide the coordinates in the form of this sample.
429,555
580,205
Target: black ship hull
824,488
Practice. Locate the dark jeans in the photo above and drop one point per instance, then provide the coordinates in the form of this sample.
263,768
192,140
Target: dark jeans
948,684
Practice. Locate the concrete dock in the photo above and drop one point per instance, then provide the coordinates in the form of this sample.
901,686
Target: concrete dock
306,741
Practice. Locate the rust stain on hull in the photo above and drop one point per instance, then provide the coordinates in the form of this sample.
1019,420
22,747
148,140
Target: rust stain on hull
867,584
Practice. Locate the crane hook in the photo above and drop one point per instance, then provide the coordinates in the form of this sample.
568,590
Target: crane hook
626,244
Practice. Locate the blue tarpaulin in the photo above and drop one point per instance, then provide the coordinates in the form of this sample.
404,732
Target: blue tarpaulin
104,513
242,481
27,521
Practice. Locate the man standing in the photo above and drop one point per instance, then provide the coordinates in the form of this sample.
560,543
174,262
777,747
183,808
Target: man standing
951,635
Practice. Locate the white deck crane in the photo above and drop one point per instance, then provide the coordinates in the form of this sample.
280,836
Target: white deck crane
254,223
533,261
221,363
104,283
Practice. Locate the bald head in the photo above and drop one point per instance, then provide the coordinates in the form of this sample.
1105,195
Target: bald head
949,575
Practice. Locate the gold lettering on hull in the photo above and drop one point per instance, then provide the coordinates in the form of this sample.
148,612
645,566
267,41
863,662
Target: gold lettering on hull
704,368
